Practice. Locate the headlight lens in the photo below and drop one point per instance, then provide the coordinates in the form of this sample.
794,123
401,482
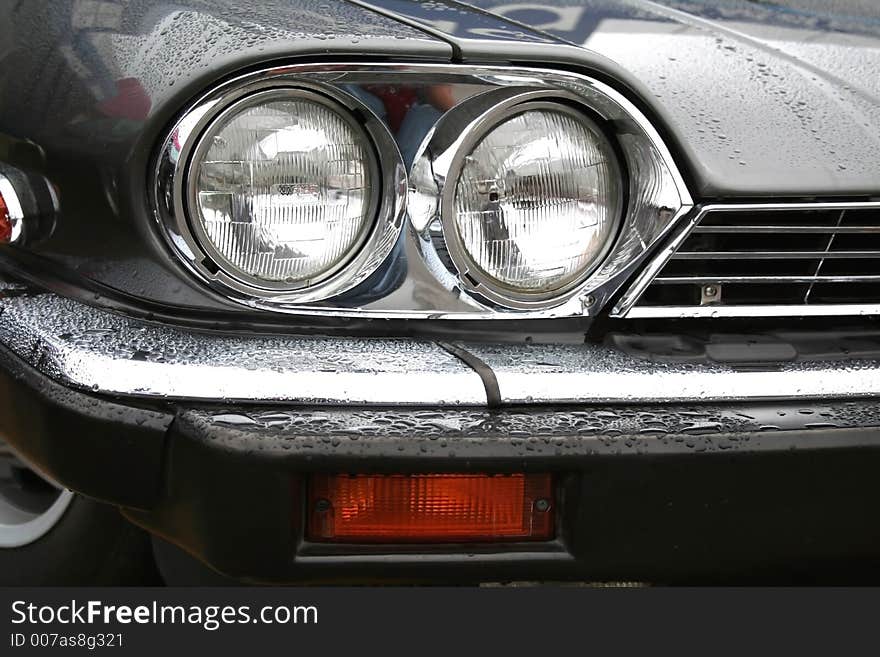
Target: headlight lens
538,200
283,189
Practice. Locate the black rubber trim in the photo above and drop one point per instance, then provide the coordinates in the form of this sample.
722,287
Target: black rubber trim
455,56
486,374
450,439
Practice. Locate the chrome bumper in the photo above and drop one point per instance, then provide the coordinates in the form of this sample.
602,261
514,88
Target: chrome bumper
94,350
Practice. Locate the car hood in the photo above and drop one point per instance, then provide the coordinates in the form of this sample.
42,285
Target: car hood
760,100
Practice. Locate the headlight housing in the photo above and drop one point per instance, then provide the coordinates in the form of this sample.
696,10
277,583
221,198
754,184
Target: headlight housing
283,189
531,193
288,193
536,201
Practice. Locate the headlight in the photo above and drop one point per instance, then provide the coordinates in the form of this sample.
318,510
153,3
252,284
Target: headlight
537,202
282,189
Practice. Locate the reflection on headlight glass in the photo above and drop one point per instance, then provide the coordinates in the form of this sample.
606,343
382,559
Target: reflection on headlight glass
537,201
283,190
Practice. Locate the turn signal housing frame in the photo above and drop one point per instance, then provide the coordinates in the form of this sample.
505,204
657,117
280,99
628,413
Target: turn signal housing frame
430,508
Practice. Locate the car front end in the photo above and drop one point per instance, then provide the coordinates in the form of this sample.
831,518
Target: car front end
358,292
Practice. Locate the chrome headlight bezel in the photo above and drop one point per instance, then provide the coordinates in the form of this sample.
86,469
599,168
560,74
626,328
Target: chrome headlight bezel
406,270
472,278
176,192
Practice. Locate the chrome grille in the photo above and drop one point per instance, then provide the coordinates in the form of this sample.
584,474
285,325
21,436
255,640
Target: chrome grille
779,259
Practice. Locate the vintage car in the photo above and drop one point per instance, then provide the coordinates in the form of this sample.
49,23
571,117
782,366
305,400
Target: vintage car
378,290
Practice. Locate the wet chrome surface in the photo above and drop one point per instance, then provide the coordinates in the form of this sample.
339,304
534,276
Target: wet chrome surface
176,191
597,373
628,304
98,84
94,350
90,349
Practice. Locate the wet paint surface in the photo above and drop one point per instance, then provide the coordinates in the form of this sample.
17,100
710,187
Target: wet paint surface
766,99
761,100
89,88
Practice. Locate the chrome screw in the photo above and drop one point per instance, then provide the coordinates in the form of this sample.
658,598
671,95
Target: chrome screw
710,294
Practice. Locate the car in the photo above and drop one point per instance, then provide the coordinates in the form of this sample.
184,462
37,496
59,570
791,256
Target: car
351,291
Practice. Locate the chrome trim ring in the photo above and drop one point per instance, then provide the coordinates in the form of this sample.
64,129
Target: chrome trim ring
648,216
176,202
250,283
13,209
470,276
627,306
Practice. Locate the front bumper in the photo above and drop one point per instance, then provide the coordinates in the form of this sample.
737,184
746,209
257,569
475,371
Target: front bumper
649,491
93,350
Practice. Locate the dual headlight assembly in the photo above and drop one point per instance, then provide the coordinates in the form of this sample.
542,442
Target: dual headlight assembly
415,190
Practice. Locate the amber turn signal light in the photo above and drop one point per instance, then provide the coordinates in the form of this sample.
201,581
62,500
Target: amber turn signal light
5,222
430,508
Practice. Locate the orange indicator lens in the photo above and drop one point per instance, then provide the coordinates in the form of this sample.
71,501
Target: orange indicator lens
430,508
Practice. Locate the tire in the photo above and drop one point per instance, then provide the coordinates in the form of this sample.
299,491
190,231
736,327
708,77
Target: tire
92,544
52,537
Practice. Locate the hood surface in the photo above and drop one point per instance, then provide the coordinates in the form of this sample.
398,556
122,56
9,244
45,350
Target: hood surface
764,99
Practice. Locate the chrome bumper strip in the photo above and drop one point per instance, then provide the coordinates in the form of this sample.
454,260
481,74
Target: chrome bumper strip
599,373
91,349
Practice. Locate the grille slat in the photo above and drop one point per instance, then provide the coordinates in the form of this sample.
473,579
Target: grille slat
780,255
773,255
710,280
782,228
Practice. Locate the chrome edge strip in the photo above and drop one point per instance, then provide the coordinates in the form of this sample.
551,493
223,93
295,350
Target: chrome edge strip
563,374
648,312
93,350
626,306
634,293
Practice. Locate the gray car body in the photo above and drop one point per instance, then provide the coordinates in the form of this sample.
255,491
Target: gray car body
756,100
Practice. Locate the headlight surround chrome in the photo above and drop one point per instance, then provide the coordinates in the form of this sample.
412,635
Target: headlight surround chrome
407,271
472,273
181,217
